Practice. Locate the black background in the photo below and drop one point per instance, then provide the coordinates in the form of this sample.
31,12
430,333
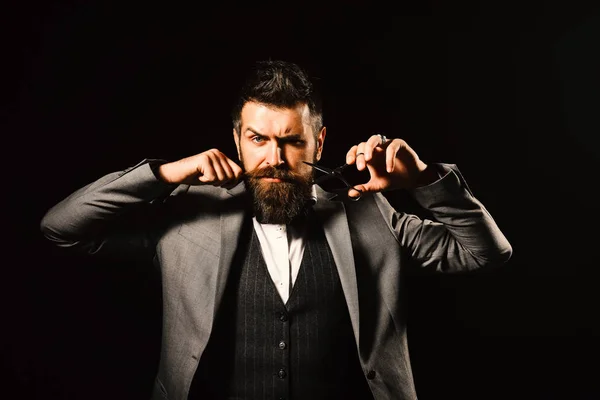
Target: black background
507,91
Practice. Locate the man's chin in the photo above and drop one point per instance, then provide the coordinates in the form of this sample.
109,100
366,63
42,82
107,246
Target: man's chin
278,202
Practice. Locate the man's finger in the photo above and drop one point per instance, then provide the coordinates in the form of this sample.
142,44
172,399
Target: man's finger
373,142
232,171
215,162
236,174
390,155
351,155
224,161
237,170
360,156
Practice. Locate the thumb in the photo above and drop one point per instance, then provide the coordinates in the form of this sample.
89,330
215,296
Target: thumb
358,190
206,177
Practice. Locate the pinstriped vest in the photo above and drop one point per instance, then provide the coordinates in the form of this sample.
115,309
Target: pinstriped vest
261,348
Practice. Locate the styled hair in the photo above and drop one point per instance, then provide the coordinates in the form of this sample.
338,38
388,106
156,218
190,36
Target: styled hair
279,84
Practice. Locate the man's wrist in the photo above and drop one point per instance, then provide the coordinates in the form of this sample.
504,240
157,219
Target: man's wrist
156,169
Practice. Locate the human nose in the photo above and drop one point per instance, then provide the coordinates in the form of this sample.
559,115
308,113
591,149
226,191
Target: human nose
275,155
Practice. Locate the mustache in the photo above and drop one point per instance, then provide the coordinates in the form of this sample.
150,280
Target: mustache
275,172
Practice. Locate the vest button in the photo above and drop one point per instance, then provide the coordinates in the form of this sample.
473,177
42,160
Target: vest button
371,375
282,374
283,316
282,345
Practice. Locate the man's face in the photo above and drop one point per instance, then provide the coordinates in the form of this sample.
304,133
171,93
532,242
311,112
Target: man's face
272,145
273,137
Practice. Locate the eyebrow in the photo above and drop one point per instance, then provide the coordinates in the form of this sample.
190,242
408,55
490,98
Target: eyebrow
254,131
293,136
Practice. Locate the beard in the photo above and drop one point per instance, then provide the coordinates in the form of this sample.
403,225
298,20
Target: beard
278,202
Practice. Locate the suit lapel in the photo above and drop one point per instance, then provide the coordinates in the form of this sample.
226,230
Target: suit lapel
332,214
233,211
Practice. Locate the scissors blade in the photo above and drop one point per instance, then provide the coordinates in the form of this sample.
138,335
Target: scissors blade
319,168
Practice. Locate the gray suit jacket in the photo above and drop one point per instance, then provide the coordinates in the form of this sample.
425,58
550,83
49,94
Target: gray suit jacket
191,234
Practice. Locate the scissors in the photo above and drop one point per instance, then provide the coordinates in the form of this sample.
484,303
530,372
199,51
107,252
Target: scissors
335,173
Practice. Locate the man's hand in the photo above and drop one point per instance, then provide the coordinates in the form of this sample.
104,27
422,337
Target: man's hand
391,165
211,167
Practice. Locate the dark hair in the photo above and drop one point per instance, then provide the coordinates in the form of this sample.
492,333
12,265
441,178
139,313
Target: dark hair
280,84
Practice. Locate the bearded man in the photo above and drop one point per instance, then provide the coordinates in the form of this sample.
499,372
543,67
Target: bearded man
272,287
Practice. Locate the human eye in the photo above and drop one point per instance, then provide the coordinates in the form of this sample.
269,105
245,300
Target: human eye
257,139
297,142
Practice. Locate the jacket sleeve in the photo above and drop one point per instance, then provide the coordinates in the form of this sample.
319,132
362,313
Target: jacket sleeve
117,214
462,235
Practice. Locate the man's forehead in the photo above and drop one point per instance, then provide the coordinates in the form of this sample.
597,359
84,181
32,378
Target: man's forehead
266,117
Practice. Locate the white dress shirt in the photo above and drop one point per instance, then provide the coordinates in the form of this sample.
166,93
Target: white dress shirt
282,248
